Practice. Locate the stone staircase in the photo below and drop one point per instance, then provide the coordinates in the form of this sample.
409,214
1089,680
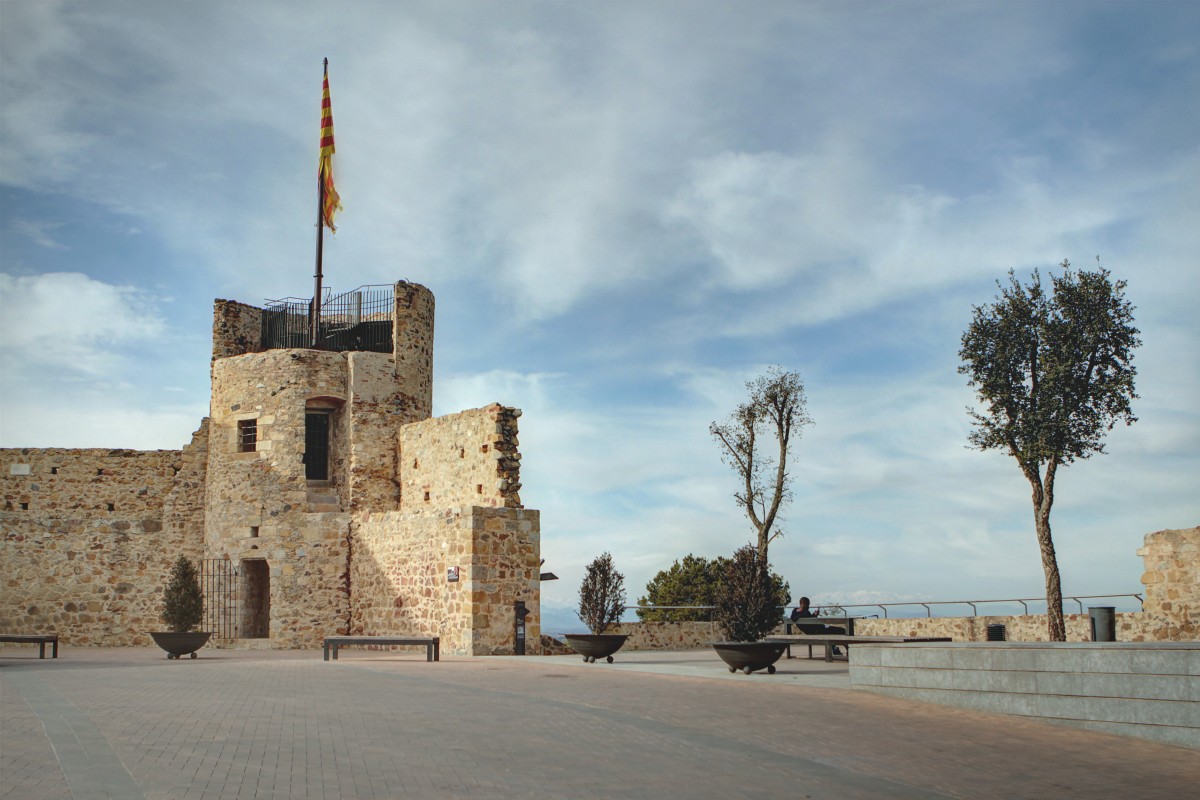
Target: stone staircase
322,497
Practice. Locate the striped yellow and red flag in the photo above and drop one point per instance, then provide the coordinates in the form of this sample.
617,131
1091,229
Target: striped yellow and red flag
330,202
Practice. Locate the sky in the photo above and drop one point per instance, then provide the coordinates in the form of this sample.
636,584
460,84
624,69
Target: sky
626,210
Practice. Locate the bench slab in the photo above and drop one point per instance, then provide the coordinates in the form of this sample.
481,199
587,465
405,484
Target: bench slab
830,640
40,639
432,644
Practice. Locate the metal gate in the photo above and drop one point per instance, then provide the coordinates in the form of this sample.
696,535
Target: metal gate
219,580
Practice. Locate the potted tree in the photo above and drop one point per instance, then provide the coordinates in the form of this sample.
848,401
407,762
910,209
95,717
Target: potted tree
183,608
747,608
601,602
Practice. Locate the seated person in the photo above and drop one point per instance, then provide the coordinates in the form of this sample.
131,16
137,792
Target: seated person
802,612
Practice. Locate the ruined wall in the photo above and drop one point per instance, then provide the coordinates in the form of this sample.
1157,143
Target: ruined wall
400,582
86,551
465,459
1172,581
237,329
412,346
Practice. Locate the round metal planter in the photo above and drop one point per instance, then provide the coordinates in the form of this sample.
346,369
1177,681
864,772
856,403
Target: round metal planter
750,656
181,643
596,645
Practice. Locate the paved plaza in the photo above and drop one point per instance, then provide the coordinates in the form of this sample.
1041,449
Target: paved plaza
127,723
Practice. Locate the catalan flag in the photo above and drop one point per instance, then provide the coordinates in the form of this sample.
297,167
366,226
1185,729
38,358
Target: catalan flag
330,202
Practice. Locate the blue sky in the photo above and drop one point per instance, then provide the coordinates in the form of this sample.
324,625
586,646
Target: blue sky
626,210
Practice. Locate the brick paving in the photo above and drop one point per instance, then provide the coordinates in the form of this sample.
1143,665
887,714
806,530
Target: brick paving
128,723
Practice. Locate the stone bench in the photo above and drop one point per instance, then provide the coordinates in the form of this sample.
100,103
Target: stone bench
432,644
40,639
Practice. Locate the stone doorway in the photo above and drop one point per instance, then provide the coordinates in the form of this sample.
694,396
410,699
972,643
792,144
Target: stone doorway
256,588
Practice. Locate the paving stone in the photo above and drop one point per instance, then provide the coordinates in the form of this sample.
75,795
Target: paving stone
283,724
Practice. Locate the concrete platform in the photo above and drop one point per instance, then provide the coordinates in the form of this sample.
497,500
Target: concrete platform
1144,689
128,723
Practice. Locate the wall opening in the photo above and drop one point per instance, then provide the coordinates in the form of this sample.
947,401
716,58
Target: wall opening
316,445
247,435
256,610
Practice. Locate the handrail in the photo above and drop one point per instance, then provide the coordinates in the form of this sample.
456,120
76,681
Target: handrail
1024,601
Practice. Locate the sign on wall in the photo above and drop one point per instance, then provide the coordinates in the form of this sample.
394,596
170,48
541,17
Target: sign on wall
452,574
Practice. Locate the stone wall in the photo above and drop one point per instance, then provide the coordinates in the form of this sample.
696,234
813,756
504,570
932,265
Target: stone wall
453,573
465,459
237,329
1172,581
412,347
1131,627
85,549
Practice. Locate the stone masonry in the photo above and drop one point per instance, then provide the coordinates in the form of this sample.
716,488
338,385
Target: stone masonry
411,525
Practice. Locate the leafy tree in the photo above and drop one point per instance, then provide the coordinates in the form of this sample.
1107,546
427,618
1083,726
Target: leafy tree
693,581
601,595
183,602
776,409
747,607
1054,372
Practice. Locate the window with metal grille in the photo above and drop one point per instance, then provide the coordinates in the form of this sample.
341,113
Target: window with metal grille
247,435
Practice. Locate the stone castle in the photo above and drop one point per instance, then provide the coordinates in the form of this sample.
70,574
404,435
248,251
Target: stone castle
320,496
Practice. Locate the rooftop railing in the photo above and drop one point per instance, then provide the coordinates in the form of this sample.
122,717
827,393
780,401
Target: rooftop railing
359,320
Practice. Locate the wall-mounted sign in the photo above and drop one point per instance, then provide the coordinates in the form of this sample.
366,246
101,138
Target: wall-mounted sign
452,574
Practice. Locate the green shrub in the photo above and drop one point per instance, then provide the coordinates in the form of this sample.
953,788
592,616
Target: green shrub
747,608
601,595
183,602
693,581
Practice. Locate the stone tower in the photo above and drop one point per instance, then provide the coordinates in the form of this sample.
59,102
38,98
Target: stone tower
306,445
320,495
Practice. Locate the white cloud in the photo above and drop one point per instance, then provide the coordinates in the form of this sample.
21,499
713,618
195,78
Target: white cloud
71,323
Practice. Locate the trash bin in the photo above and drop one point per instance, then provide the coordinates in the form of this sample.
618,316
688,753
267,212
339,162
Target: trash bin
1104,623
996,632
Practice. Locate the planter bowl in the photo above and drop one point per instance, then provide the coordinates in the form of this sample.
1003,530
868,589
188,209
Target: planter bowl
596,645
750,656
181,643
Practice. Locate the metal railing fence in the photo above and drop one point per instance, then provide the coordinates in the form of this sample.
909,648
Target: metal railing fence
926,604
358,320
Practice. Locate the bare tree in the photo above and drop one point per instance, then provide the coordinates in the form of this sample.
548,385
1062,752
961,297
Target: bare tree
1055,373
774,414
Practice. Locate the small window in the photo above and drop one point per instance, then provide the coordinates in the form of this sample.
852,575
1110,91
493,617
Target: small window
54,470
24,506
427,497
479,488
253,531
112,507
247,435
483,449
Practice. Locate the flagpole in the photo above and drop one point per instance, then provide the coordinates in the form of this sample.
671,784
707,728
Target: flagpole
315,310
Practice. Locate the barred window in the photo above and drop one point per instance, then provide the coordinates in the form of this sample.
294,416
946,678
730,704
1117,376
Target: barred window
247,435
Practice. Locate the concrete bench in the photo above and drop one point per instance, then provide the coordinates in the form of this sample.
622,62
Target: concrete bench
432,644
40,639
832,640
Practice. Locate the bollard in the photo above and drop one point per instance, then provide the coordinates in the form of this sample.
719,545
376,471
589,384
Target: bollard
1104,623
519,614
